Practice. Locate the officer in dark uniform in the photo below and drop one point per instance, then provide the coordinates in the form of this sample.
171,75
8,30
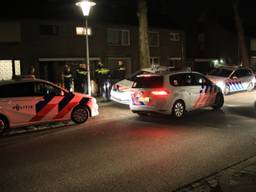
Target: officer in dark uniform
81,82
67,77
119,72
103,76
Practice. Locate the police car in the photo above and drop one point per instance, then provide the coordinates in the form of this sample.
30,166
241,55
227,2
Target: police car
29,101
121,91
174,93
233,79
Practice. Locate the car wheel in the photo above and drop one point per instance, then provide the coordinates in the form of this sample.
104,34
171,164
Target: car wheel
226,90
219,101
80,114
178,109
250,87
3,124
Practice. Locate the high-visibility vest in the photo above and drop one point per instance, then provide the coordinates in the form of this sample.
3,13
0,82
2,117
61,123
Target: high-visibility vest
103,71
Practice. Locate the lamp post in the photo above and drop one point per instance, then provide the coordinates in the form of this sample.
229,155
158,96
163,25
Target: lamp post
86,5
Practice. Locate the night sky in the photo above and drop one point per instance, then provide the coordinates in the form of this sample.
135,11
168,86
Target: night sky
173,13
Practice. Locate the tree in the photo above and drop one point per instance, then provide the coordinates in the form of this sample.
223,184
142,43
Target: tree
241,38
143,34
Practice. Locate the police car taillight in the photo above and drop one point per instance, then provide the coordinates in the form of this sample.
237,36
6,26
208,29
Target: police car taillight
160,92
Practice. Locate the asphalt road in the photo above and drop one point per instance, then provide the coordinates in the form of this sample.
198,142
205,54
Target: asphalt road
118,151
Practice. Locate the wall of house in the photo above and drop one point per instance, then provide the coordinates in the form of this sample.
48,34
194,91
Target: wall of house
37,44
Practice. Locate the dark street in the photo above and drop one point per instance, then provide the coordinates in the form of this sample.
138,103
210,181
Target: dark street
119,151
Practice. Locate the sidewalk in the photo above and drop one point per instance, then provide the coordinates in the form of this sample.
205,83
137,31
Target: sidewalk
238,178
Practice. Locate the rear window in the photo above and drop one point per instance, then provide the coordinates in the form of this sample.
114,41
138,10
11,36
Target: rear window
148,82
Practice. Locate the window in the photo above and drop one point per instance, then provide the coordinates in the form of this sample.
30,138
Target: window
81,31
177,80
183,79
253,63
118,37
253,44
174,62
242,73
6,70
153,39
174,36
9,68
154,61
42,89
149,82
17,90
200,80
49,30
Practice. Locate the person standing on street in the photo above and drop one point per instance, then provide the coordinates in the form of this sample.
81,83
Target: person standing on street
67,77
119,72
81,84
103,78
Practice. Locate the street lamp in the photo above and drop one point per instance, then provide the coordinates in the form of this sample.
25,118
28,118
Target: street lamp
86,5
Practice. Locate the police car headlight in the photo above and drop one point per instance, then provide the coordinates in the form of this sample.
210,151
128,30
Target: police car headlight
221,85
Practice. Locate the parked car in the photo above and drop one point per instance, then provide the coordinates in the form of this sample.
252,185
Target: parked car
29,101
174,93
233,79
121,90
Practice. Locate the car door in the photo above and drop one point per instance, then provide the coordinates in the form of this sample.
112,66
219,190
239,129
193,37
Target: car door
18,103
184,89
204,91
48,99
238,80
246,77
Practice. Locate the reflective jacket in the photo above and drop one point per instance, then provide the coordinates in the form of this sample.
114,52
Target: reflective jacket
102,74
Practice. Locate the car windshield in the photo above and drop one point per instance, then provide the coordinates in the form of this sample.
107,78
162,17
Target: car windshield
221,72
148,82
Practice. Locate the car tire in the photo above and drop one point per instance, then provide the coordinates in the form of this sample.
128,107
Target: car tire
250,87
178,109
226,90
219,101
80,114
4,124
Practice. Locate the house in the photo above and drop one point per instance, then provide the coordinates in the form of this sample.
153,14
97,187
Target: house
49,44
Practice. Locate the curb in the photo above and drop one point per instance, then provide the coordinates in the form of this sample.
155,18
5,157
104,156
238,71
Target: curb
241,177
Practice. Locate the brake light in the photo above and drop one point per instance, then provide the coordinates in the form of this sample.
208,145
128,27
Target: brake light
160,93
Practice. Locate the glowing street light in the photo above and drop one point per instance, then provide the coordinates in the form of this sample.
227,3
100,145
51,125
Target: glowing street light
86,5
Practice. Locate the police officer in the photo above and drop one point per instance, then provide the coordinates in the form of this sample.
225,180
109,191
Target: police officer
67,77
81,79
103,78
119,72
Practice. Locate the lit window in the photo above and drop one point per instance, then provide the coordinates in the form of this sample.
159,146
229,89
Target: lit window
82,31
6,69
17,67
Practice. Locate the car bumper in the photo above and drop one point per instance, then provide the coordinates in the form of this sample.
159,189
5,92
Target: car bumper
149,109
121,97
94,107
